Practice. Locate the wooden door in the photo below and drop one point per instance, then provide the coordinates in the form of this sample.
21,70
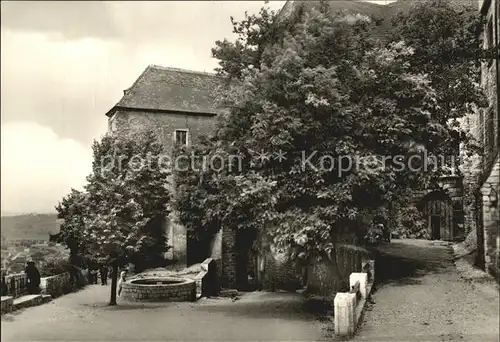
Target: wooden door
439,213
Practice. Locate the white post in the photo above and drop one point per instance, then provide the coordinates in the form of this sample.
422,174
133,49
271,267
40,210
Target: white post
344,313
363,280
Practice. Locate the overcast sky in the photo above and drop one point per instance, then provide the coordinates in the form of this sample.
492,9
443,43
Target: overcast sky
65,64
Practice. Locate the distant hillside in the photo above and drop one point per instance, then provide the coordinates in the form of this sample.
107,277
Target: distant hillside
29,226
382,13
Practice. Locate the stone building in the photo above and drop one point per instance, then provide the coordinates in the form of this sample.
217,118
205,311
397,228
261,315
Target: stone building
179,105
486,129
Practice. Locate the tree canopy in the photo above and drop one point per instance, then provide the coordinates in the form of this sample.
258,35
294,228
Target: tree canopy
314,109
119,214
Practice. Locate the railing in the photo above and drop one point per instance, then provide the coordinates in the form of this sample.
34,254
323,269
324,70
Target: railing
16,284
348,306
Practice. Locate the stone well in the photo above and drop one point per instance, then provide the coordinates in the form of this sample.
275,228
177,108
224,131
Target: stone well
159,290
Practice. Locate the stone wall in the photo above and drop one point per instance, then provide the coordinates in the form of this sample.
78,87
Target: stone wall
491,222
275,271
180,292
488,129
322,280
165,124
7,304
57,285
228,261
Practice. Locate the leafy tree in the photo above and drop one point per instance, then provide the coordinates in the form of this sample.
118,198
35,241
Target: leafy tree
73,208
125,199
445,37
321,87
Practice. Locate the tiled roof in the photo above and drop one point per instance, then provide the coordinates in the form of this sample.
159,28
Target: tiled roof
170,89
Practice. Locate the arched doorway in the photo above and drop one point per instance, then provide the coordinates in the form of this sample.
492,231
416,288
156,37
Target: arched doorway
438,211
198,247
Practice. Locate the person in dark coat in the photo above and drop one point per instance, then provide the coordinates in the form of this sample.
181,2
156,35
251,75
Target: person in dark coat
104,274
93,267
33,276
4,285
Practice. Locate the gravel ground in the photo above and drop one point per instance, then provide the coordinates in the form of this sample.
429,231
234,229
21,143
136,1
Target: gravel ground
422,296
84,316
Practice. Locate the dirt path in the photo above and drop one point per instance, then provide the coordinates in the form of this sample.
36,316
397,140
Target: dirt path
84,316
422,297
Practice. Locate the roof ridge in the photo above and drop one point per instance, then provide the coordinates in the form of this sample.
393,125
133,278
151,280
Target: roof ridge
186,71
136,81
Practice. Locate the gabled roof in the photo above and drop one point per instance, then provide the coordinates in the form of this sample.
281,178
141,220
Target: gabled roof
171,90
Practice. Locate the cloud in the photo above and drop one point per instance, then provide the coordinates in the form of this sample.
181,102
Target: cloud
71,19
123,20
65,64
69,84
39,168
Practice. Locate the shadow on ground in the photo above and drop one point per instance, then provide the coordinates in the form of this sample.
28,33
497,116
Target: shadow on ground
265,305
402,264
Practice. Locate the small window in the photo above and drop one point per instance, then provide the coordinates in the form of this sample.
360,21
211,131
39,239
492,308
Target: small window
181,137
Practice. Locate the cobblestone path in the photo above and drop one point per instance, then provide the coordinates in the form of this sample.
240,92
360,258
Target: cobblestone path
422,297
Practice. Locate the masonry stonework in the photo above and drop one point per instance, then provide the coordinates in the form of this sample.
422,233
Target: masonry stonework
180,292
228,260
491,221
488,133
164,124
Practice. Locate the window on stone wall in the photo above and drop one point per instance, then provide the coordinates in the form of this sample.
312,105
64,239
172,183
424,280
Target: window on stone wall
181,137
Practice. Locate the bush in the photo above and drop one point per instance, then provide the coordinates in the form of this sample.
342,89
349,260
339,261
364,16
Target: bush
54,266
410,224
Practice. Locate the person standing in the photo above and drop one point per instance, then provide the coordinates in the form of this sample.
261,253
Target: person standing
104,274
4,285
33,278
122,279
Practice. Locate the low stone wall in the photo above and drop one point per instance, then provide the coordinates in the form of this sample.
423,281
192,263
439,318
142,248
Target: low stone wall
183,291
57,285
323,280
7,304
207,280
282,275
349,306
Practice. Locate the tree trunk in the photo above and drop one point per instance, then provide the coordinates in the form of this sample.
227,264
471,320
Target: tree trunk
114,281
338,279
